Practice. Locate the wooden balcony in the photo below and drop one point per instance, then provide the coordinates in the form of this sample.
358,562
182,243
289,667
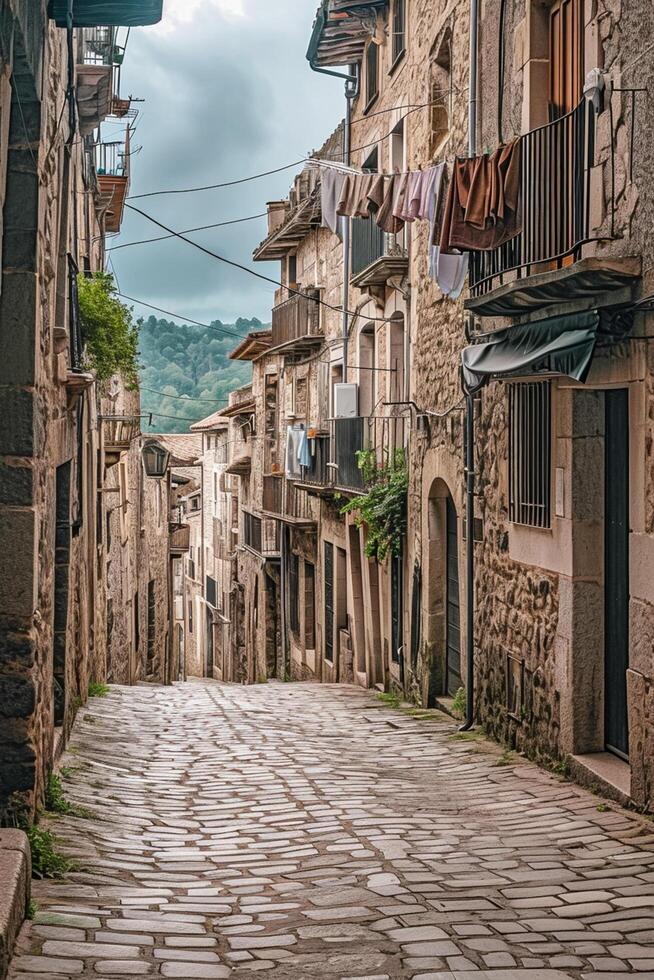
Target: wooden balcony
120,431
261,535
282,501
112,169
180,539
544,264
296,321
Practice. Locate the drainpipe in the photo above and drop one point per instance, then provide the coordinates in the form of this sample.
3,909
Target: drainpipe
282,598
470,415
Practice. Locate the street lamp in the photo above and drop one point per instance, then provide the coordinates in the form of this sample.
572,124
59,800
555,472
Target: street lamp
155,459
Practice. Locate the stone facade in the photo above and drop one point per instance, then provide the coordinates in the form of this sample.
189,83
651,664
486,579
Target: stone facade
61,627
546,591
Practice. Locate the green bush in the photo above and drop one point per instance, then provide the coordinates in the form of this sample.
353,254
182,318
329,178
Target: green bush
383,509
108,330
98,690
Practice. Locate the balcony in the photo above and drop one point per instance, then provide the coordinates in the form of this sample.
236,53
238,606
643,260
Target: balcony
179,540
317,476
296,322
111,13
261,535
376,255
120,431
285,503
543,264
381,435
112,169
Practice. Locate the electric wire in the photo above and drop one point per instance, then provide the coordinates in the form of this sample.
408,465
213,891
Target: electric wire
187,231
197,323
257,275
185,398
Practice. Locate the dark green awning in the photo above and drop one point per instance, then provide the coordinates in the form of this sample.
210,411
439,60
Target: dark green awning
107,13
563,345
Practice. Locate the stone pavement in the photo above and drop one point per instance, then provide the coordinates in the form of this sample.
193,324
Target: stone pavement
306,831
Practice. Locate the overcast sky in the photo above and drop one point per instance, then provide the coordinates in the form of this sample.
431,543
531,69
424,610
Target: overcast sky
228,93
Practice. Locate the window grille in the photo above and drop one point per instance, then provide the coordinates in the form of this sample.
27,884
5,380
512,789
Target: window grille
329,602
530,453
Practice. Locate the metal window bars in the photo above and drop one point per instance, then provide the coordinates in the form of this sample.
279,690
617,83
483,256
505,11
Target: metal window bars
530,453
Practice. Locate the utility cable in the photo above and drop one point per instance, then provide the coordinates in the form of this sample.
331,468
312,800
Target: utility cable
257,275
187,319
278,170
187,231
185,398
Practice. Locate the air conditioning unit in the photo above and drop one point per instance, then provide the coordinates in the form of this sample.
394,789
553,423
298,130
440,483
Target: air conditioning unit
346,401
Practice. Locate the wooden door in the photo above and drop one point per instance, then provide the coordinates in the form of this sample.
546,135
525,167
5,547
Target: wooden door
453,604
566,56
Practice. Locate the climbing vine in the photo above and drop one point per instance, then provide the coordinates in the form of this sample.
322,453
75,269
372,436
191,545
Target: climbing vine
383,508
108,330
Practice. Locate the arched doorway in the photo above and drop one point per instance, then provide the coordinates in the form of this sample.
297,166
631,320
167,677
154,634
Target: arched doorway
443,626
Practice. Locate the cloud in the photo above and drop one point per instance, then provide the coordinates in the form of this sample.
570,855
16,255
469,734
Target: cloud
228,93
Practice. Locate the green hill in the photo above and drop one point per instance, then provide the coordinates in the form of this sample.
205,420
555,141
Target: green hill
185,371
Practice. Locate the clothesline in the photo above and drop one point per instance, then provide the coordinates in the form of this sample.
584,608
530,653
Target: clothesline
478,211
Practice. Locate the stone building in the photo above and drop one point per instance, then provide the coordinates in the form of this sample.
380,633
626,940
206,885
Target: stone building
553,643
60,194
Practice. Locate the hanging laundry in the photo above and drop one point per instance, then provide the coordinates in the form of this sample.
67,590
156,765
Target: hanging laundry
426,190
408,212
383,196
483,204
448,271
400,196
331,188
355,196
294,436
304,450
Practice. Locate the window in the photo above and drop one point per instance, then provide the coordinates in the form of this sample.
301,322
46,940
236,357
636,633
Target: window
190,616
530,453
309,606
372,73
399,29
440,92
293,593
152,621
292,271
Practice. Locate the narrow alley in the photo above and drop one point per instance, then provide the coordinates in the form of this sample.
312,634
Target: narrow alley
308,831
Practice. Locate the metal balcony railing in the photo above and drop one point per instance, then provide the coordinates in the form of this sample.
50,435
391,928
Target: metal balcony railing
281,497
75,339
381,436
556,164
99,47
370,243
261,534
295,318
317,473
111,159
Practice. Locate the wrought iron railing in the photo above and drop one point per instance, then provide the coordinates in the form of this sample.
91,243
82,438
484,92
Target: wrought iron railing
370,243
381,436
281,497
556,163
317,473
296,317
99,46
76,341
111,159
261,534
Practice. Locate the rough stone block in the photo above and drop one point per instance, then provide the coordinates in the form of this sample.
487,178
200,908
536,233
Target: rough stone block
18,538
17,439
641,626
17,696
16,485
18,308
15,873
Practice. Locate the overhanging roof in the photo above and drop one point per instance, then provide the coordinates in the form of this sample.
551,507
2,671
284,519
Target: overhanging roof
341,30
212,423
241,408
302,219
255,344
107,13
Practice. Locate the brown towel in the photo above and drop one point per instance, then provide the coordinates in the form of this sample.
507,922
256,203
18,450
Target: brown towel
483,203
383,195
354,201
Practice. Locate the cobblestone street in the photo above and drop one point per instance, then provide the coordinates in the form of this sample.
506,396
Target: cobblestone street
306,831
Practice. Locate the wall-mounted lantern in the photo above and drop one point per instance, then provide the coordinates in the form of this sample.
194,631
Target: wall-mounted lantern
155,459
